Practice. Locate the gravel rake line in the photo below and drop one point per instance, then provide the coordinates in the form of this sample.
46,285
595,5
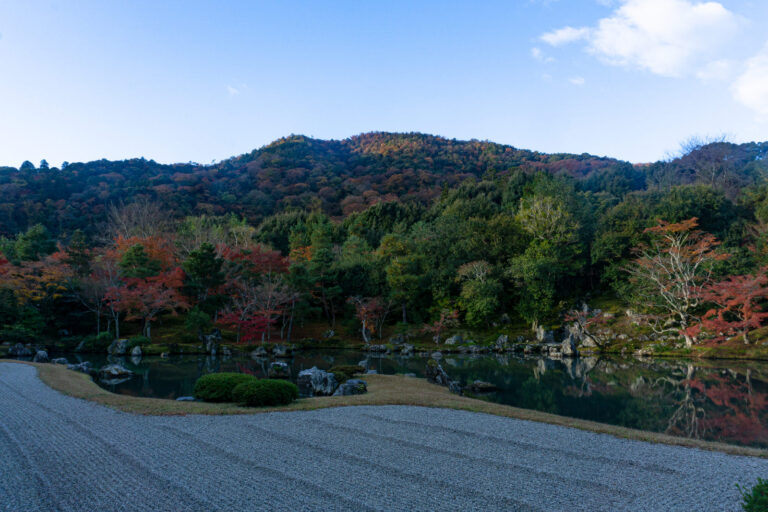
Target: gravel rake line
451,489
548,475
533,447
332,497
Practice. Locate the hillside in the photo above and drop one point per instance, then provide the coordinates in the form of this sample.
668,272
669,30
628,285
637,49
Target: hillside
337,176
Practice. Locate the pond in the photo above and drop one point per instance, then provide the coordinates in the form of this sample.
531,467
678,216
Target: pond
712,400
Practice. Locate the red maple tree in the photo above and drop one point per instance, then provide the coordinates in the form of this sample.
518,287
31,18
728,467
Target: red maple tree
738,305
144,298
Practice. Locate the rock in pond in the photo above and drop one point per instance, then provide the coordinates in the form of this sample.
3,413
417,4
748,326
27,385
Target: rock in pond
41,356
352,387
84,367
118,347
502,342
406,349
281,351
259,353
316,382
437,375
480,386
186,399
279,370
19,350
114,374
568,347
60,360
136,352
211,341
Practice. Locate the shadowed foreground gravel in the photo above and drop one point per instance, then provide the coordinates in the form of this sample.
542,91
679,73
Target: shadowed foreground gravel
62,453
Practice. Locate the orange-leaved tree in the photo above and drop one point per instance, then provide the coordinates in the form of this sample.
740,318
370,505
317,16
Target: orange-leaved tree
738,302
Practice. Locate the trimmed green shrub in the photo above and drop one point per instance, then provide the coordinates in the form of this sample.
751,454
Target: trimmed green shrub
217,387
98,343
138,341
755,499
264,392
345,372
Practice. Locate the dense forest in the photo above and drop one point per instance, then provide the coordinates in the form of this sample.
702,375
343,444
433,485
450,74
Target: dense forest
385,233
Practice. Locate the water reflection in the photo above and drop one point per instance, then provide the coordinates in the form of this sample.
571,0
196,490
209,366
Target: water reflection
721,401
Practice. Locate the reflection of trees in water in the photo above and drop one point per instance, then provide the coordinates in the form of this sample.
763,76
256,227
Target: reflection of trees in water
687,418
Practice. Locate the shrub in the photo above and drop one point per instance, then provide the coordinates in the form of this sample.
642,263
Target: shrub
217,387
346,372
98,343
756,499
138,341
259,393
197,321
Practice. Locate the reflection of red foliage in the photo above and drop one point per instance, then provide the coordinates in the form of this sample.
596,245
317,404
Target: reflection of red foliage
3,265
738,409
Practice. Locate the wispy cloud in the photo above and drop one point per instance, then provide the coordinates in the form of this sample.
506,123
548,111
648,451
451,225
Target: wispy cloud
537,54
577,80
232,91
751,87
565,35
673,38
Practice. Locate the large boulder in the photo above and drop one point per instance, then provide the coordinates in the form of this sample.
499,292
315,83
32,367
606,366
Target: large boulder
281,351
568,347
118,347
436,374
211,341
60,360
136,352
19,350
259,353
316,382
406,349
352,387
41,356
279,370
456,339
502,343
544,336
114,374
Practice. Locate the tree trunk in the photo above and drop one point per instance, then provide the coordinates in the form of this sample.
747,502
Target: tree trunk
290,322
405,319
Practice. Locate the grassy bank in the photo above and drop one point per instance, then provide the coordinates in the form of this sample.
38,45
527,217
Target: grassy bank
382,390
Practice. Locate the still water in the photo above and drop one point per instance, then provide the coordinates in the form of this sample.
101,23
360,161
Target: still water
718,401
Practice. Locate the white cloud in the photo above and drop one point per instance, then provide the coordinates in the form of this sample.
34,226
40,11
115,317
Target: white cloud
577,80
537,54
565,35
232,91
717,70
751,87
666,37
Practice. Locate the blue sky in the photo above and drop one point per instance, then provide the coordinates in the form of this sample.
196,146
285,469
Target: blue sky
181,81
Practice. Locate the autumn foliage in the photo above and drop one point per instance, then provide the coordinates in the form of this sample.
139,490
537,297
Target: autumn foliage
738,305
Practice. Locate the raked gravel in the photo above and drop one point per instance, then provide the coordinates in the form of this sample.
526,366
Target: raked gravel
63,453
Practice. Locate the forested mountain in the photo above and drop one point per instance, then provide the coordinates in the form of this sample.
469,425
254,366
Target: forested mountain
381,229
338,177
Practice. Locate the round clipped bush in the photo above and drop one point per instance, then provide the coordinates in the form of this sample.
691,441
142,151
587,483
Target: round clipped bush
218,387
345,372
264,392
